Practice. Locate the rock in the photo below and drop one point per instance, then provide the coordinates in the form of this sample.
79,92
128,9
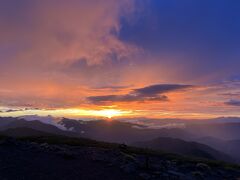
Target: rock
157,173
129,168
128,157
187,167
158,167
145,176
168,163
203,167
9,142
164,176
98,157
110,164
67,155
177,175
44,145
123,147
197,175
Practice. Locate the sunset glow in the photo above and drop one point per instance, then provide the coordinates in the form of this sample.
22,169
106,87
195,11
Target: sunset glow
107,113
74,113
76,58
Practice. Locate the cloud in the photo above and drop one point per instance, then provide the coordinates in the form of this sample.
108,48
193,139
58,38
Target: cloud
124,98
17,110
38,39
14,110
52,32
235,94
160,88
149,93
164,126
58,53
111,88
233,103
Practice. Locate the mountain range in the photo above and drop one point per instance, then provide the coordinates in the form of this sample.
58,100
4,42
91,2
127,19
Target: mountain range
200,139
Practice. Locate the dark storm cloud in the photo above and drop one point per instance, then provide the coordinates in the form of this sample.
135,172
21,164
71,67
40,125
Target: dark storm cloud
148,93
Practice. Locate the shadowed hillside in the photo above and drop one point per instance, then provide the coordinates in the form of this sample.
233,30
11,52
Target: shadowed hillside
179,146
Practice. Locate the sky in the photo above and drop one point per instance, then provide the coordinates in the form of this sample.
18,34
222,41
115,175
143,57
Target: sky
111,58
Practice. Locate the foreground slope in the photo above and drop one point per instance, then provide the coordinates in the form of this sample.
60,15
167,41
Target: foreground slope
63,158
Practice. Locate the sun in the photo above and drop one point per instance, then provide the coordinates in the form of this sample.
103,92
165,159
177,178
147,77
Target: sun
109,113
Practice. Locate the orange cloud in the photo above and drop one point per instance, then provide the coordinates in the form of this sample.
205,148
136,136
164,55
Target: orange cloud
59,32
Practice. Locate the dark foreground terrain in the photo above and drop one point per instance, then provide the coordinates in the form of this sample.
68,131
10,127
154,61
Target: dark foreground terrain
60,158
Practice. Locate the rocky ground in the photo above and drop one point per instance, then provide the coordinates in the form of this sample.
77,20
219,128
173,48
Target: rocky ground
25,160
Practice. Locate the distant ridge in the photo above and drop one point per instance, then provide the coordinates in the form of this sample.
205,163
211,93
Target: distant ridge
182,147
